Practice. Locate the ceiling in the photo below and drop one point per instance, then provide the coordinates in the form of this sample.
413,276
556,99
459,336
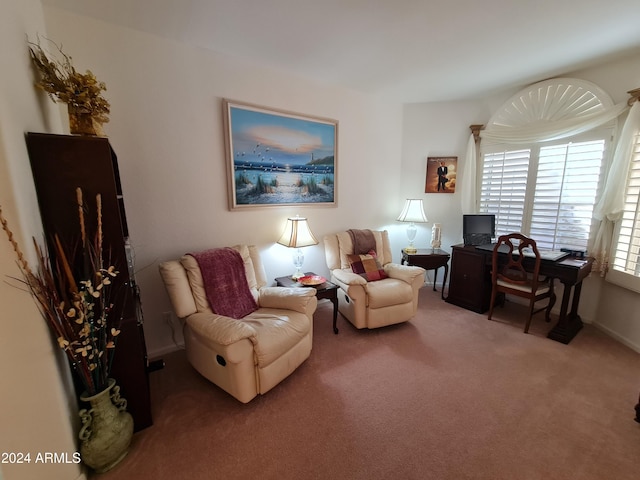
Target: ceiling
410,50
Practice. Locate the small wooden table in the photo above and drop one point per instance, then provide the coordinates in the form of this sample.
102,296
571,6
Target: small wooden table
429,259
326,290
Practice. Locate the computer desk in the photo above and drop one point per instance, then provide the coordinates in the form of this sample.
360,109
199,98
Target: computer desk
471,274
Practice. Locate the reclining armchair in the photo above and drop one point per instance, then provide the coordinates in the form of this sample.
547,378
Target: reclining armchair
372,298
243,356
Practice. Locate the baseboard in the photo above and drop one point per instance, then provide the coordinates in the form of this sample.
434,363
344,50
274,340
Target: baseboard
157,353
633,346
589,321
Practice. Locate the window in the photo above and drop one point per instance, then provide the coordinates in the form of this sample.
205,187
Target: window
543,154
625,269
504,188
547,191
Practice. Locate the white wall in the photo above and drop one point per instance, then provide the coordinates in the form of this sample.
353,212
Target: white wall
442,129
167,131
433,130
38,411
166,128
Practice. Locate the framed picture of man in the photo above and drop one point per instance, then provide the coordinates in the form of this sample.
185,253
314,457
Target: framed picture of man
441,175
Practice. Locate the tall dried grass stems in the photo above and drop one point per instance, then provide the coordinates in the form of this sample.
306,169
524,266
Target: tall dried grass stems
77,303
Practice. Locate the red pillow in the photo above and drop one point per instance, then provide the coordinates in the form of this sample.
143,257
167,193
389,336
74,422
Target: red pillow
367,266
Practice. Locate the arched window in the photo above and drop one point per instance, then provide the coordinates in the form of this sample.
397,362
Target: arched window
542,162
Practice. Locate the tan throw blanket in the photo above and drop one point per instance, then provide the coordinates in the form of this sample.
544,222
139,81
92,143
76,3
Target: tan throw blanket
225,282
363,241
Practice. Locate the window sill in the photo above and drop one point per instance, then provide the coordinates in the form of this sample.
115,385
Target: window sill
623,280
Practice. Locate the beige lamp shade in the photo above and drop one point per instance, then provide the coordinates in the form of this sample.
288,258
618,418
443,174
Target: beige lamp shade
413,213
297,234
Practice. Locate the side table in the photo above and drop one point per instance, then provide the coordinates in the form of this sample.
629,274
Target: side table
326,290
429,259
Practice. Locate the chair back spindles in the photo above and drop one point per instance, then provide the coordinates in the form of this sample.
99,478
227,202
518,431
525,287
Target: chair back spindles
516,272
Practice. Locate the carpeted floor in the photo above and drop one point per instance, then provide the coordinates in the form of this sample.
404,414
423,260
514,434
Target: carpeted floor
448,395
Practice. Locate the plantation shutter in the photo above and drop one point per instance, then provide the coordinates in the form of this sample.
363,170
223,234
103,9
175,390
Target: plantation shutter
543,154
565,193
627,253
504,188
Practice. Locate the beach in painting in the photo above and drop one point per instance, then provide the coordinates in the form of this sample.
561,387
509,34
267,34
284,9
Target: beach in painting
280,184
280,159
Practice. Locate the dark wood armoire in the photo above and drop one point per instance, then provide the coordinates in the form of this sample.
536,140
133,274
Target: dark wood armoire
60,164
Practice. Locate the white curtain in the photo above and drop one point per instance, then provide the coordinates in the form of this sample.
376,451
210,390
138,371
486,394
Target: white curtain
611,204
544,130
469,179
537,131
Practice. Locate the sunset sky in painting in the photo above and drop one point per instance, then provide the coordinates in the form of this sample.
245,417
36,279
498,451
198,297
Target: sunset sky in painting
262,136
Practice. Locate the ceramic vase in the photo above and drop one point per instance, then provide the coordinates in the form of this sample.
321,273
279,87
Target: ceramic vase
107,429
82,123
435,236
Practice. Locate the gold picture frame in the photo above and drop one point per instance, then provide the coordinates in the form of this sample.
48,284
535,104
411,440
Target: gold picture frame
277,158
441,175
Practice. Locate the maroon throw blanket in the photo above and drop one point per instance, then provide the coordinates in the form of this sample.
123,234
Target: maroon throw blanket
225,282
363,241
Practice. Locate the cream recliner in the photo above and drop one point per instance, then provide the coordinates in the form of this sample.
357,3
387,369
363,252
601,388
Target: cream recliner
378,303
253,354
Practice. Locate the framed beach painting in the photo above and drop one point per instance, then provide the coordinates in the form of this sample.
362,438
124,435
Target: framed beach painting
277,158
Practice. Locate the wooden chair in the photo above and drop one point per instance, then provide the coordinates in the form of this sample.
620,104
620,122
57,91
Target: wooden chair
509,276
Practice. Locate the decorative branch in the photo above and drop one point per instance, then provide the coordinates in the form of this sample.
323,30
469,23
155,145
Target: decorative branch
22,262
78,308
60,80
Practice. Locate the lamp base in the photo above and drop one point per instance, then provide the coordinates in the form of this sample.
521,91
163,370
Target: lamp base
297,275
298,261
410,250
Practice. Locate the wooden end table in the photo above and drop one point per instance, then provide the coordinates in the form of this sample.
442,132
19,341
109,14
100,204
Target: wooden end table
326,290
429,259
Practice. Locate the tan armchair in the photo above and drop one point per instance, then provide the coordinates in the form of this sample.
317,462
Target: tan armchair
253,354
373,304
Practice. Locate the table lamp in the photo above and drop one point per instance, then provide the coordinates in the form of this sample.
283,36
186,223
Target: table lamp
296,235
412,213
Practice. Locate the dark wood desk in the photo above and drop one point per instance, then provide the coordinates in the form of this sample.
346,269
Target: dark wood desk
471,280
429,259
326,290
571,273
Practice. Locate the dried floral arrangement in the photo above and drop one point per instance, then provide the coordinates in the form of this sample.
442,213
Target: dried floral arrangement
82,92
79,311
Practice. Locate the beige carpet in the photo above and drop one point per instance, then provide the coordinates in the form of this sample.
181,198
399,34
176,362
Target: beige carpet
449,395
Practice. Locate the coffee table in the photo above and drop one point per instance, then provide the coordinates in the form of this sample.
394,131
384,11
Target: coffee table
326,290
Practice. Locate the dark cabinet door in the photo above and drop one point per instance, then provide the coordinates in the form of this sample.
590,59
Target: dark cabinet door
60,164
469,284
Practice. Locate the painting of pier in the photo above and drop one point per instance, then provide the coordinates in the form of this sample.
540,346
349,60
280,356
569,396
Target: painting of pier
279,158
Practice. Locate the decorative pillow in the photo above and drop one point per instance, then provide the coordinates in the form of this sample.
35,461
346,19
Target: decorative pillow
367,266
